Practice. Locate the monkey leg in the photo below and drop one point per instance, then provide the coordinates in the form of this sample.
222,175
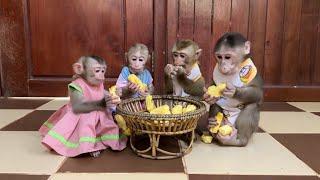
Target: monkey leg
246,124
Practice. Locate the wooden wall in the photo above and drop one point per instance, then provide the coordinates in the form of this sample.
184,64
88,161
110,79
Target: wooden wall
40,39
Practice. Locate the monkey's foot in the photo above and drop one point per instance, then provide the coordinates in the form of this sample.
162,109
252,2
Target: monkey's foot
95,154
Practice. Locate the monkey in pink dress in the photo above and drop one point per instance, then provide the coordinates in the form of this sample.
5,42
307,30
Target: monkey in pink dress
85,124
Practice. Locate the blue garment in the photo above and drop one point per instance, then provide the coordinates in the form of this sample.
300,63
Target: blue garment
144,76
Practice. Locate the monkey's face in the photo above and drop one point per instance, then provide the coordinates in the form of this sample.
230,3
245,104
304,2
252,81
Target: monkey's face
94,72
137,61
184,58
229,59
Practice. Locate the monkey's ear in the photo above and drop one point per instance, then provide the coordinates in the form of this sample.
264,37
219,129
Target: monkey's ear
126,57
247,46
198,53
77,68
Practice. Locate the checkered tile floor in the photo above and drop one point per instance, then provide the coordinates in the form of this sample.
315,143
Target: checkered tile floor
287,146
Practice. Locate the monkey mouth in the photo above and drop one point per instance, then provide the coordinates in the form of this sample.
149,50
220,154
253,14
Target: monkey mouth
135,70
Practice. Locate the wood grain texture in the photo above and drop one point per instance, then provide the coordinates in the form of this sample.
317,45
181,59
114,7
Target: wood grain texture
221,18
273,45
308,42
172,26
186,19
159,44
240,16
257,32
291,40
316,66
13,57
139,24
203,36
62,31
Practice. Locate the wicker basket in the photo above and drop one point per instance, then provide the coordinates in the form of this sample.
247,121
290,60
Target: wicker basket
139,120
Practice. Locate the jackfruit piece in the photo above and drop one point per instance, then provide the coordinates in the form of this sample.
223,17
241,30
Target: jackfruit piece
112,90
225,130
189,108
122,124
216,91
149,103
206,138
177,109
135,80
164,109
219,118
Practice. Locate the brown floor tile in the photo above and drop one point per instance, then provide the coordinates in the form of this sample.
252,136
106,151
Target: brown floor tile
305,146
21,103
247,177
22,176
279,106
124,162
316,113
30,122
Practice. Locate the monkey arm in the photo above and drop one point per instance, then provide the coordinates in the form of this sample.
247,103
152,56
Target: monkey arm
168,85
79,106
253,93
194,88
150,89
214,109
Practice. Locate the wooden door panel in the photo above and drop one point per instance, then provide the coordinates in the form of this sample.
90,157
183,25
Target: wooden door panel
139,24
62,31
40,39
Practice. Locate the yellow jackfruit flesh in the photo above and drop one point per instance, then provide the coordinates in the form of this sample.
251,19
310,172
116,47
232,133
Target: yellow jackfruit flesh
164,109
189,108
177,109
216,91
135,80
219,118
225,130
149,103
122,124
112,90
206,138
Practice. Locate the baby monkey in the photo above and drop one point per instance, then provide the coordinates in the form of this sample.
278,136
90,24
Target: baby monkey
183,77
243,95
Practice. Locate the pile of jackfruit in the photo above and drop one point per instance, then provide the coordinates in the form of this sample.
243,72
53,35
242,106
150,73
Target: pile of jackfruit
224,130
165,109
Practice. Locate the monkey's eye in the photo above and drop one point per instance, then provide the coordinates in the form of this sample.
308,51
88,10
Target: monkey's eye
227,57
182,56
102,71
175,55
140,59
97,71
134,59
219,57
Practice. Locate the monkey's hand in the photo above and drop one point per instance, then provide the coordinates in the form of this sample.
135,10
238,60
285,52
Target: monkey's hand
133,87
144,93
180,70
209,99
212,122
111,101
231,137
229,91
169,70
119,92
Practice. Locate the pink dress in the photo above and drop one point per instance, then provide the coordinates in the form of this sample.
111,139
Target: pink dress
71,134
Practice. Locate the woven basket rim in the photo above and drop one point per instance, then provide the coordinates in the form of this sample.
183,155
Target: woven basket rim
201,110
